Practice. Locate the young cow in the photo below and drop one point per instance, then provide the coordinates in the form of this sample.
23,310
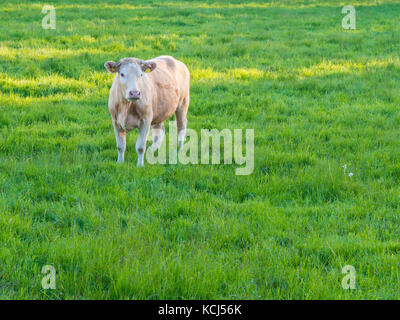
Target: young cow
140,99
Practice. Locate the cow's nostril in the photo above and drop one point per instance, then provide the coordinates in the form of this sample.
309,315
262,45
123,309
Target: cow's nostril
134,94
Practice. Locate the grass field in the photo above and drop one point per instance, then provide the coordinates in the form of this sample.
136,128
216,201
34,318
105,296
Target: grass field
317,96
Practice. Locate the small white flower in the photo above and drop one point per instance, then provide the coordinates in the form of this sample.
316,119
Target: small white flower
344,167
350,174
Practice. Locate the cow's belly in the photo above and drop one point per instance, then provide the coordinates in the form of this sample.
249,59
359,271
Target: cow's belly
166,105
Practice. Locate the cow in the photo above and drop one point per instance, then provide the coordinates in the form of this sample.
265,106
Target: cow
144,94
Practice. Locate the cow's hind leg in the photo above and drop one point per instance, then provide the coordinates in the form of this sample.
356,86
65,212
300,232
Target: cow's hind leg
181,120
158,135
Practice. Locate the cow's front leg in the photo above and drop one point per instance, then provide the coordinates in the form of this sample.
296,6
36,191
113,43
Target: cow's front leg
141,141
120,137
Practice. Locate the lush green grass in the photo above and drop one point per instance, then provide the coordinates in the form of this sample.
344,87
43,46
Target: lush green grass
317,96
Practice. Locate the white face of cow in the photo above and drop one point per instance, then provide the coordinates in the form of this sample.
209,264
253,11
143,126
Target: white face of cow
130,78
130,75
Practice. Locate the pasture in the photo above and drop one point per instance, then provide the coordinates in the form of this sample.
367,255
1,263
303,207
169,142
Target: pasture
317,96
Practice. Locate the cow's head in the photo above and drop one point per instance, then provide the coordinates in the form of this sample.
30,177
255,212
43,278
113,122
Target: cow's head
130,74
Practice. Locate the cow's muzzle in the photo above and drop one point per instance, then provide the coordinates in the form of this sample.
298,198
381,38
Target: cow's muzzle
133,95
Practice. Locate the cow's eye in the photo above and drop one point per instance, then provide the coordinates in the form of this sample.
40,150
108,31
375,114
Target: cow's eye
122,75
141,74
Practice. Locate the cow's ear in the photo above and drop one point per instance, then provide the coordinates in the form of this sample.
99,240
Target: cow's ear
111,66
148,66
